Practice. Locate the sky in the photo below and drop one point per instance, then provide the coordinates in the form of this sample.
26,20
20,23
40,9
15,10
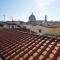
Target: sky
21,9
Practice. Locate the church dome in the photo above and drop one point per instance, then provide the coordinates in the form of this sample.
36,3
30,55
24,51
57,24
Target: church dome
32,18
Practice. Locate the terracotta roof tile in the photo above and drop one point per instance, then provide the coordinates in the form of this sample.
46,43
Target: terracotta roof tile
16,45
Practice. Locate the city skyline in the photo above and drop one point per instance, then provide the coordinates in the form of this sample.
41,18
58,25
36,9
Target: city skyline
22,9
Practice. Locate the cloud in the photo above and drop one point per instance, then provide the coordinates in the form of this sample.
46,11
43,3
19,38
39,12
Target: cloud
43,7
44,3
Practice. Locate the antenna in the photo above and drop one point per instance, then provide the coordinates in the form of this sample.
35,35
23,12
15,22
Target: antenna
4,17
11,18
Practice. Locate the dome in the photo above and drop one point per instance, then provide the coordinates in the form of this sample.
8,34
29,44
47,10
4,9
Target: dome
32,18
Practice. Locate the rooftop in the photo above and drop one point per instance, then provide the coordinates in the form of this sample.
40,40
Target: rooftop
15,45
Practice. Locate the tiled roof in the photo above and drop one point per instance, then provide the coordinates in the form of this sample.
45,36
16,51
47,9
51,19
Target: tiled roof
25,46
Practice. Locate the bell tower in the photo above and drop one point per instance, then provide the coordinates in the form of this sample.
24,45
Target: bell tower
45,18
